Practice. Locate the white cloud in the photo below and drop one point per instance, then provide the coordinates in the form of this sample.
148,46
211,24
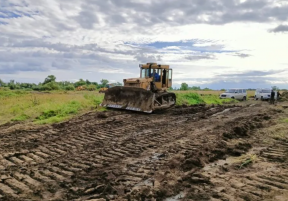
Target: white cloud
107,39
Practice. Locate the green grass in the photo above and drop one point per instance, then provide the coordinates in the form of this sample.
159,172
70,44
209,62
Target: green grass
57,106
59,114
188,99
194,98
9,93
21,117
284,120
42,108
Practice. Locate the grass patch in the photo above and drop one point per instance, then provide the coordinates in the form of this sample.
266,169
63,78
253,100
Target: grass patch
188,99
56,106
9,93
21,117
194,98
46,107
247,159
284,120
94,99
60,113
213,99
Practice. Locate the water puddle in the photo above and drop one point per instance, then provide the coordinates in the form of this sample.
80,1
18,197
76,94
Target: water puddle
158,156
176,197
147,182
224,111
215,165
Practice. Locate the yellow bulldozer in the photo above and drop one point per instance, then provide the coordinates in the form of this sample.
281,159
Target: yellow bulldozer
103,89
145,94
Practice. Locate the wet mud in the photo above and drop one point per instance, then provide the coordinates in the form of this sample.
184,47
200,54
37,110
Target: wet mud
122,155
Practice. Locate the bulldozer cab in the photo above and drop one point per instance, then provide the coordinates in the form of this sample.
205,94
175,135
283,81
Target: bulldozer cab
161,74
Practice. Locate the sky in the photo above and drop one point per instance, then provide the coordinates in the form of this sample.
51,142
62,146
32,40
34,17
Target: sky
208,43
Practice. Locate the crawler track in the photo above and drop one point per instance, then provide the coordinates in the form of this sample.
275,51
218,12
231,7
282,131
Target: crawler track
126,155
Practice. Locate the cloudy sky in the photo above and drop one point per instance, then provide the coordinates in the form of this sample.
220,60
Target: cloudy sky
208,43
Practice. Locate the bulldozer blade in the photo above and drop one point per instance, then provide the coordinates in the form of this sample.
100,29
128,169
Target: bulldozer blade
128,98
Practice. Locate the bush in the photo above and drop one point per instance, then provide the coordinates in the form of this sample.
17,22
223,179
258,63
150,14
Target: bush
69,88
91,87
45,88
37,88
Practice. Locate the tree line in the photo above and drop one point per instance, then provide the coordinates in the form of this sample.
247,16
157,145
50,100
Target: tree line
50,84
184,86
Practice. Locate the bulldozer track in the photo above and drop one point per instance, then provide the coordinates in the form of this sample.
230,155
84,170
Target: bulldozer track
268,183
117,154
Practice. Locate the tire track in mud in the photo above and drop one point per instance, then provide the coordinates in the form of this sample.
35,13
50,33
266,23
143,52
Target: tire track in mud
58,158
231,180
267,180
93,157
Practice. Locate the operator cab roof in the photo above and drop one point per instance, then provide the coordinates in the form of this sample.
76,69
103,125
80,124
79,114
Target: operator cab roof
154,66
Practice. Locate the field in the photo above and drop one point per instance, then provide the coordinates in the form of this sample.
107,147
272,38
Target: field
53,107
200,150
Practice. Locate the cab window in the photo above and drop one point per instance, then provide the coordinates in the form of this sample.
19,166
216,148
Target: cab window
144,72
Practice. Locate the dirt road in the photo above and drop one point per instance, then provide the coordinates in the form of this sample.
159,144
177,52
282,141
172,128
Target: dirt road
176,155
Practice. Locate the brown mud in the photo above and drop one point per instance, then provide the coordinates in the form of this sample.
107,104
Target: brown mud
185,153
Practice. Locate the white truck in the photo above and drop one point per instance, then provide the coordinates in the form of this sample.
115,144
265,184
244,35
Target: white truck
238,94
263,94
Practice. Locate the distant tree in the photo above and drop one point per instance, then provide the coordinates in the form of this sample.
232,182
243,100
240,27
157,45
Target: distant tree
118,84
94,83
184,86
50,78
2,84
104,82
87,82
207,89
69,87
64,83
223,90
11,84
195,88
91,87
51,86
275,88
81,82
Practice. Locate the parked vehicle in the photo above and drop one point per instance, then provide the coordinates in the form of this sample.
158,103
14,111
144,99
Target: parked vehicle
238,94
263,94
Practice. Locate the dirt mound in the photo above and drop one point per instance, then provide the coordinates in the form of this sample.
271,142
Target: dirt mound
284,96
241,128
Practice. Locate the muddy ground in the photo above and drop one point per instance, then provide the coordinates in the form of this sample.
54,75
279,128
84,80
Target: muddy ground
231,152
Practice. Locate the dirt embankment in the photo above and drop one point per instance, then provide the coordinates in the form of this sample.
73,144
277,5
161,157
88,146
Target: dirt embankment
130,156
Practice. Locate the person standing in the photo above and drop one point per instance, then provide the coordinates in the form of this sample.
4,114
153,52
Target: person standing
278,95
272,97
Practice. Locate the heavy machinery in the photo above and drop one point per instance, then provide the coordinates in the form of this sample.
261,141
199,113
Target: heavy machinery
103,89
145,94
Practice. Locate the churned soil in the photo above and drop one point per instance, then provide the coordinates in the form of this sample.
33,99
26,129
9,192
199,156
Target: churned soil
185,153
